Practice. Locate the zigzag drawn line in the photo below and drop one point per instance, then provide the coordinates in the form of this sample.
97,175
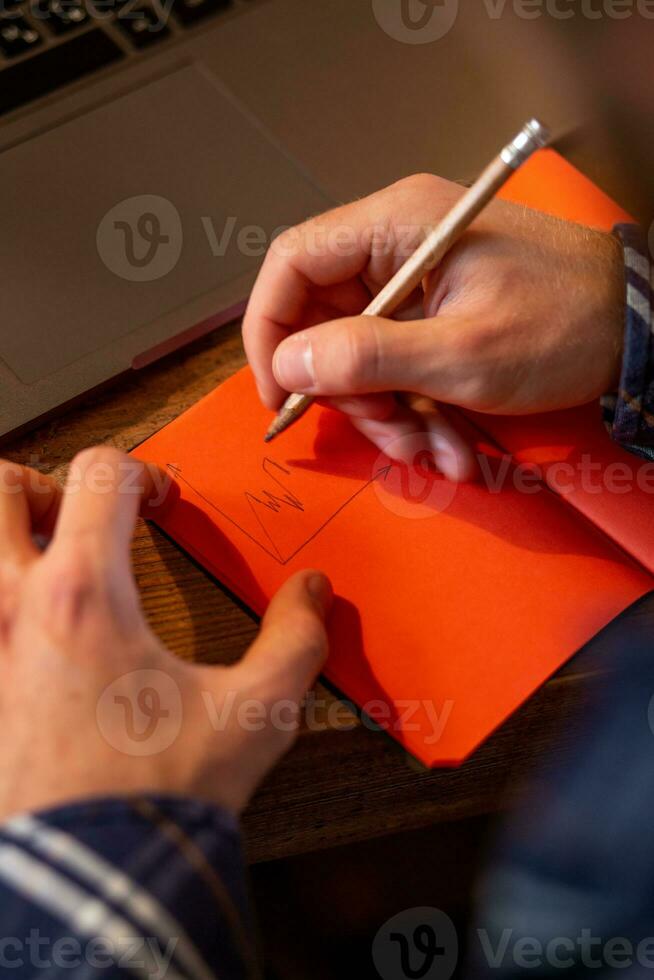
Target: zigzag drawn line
275,504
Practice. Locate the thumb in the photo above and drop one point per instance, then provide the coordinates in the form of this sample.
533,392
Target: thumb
363,354
291,647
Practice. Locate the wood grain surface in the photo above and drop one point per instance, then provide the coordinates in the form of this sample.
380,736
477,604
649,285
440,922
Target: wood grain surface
342,782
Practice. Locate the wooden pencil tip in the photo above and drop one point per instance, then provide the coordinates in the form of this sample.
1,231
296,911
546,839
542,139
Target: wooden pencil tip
273,431
290,412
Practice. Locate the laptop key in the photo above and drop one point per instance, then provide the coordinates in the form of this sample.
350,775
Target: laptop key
189,11
46,70
143,26
17,36
61,15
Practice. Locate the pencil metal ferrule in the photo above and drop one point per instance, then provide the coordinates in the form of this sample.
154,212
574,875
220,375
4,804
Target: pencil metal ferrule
533,136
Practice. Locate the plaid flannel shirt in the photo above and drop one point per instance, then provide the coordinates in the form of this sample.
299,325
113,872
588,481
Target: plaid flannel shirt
629,413
147,887
155,887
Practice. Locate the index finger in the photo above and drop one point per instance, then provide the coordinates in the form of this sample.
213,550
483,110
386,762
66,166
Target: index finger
28,504
104,492
331,266
298,287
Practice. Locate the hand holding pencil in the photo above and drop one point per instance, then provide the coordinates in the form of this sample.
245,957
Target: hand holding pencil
522,314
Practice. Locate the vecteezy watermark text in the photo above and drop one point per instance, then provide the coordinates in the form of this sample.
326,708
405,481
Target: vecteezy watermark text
413,488
124,478
144,956
140,713
427,21
141,239
423,942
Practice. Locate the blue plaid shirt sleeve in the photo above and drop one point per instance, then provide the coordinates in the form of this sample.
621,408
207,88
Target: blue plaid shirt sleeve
147,887
629,413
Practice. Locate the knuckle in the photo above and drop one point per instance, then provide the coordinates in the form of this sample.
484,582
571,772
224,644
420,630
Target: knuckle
473,339
11,476
474,392
286,238
74,568
468,345
69,585
421,184
304,632
474,387
471,355
289,242
415,182
361,355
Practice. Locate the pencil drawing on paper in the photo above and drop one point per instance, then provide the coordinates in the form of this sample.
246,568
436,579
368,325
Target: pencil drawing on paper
273,501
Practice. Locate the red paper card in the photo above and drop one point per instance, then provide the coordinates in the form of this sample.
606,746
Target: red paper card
454,603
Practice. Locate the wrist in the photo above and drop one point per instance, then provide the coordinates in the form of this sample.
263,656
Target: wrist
615,309
630,415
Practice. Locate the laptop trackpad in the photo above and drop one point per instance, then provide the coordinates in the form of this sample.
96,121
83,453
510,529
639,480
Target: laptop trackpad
128,212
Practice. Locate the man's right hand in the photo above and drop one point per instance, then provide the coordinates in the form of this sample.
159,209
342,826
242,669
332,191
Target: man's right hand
523,315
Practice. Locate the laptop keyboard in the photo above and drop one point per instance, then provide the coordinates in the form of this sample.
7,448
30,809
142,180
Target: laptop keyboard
45,44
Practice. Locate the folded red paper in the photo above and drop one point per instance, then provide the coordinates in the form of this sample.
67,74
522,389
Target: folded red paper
453,602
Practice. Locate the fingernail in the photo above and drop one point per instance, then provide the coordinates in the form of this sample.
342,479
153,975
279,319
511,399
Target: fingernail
320,589
260,392
293,363
446,458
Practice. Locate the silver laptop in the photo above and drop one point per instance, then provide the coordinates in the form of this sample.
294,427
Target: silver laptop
150,150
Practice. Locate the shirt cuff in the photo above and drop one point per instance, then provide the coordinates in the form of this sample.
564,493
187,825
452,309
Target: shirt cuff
629,413
107,883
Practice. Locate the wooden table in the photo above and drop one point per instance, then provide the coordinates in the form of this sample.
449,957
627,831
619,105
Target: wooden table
344,782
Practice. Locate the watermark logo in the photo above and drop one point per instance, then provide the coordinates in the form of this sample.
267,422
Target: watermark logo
416,21
422,943
417,944
141,238
426,21
412,487
141,713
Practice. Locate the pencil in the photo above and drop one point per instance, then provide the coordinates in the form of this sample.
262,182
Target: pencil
533,136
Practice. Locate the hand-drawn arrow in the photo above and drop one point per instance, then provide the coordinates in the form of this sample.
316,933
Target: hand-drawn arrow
274,503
